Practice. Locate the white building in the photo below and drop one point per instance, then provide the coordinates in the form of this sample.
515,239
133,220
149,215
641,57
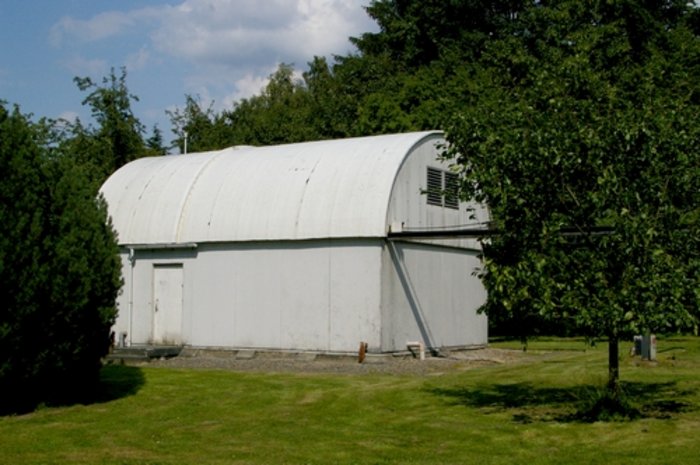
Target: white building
288,248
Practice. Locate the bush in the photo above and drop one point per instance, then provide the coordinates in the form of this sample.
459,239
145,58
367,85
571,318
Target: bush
59,272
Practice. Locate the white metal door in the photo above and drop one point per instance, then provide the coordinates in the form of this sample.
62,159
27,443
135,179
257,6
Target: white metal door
167,304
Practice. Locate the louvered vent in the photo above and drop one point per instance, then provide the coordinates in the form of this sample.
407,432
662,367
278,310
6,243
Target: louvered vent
451,190
443,188
434,190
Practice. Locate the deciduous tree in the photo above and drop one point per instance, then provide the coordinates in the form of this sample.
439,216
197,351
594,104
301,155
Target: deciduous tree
584,140
118,138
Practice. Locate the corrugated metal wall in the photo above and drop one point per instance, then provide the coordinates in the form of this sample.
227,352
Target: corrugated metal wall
310,295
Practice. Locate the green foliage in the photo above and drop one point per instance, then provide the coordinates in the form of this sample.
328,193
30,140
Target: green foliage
118,137
410,75
417,33
281,113
59,269
119,129
199,127
155,143
333,108
583,140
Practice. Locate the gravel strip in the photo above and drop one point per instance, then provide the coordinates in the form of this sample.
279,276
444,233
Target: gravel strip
277,362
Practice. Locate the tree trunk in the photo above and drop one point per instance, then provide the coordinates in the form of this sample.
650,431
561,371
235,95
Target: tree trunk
613,366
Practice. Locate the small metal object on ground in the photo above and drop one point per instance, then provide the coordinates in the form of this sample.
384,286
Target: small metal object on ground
362,353
637,347
649,347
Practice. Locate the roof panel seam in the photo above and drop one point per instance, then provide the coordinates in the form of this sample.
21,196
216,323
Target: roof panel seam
190,188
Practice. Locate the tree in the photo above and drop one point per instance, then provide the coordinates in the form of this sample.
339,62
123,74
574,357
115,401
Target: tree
416,33
155,142
119,136
332,109
410,75
415,71
583,139
201,128
59,269
280,114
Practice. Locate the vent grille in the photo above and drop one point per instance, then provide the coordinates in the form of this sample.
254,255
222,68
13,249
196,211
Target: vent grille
443,188
434,187
451,190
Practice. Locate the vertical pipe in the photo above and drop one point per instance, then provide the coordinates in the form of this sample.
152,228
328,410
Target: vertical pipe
132,263
411,295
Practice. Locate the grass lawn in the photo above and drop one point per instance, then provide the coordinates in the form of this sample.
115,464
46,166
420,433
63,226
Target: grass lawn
517,413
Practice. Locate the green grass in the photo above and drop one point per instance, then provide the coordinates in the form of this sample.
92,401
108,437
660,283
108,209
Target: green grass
501,414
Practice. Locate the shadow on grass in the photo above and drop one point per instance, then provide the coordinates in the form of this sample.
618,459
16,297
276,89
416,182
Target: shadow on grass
118,381
115,382
529,403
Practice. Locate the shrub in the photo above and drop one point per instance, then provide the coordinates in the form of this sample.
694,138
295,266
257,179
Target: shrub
59,272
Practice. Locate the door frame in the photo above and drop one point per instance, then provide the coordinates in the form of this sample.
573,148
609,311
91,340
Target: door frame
162,328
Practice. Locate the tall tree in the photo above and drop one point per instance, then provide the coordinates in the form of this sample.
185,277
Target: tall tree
416,33
583,139
332,109
280,114
118,138
417,69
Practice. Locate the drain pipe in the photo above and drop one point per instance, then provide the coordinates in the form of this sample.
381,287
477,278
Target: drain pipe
412,296
132,262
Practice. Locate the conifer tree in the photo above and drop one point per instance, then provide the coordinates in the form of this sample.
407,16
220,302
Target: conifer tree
59,272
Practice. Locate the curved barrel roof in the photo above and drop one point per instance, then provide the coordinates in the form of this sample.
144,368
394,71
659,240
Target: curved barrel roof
325,189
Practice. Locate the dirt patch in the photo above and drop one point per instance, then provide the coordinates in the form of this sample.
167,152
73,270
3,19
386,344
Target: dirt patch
277,362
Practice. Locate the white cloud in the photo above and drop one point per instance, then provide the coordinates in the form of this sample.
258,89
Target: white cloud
229,47
236,44
326,25
234,34
81,66
246,87
225,32
235,86
138,60
101,26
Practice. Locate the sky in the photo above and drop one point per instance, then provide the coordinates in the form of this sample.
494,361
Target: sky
218,50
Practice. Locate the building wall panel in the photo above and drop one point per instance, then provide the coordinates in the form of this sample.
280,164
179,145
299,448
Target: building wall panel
429,294
308,295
